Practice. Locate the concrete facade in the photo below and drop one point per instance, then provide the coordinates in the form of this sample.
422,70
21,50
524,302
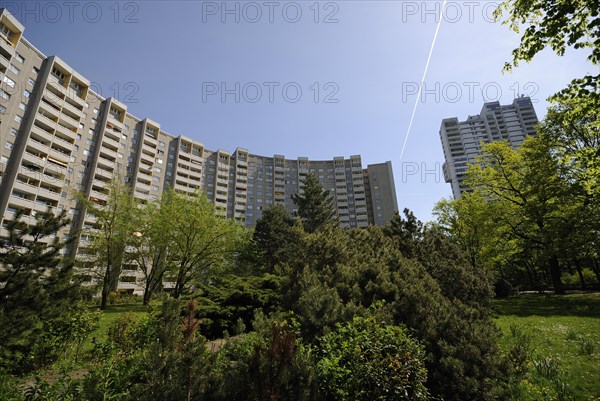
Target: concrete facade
461,140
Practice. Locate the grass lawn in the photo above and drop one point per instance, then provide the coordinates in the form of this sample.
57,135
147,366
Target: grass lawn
111,313
564,332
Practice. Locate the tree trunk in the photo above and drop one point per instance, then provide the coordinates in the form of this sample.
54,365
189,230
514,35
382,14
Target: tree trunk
147,296
555,275
580,274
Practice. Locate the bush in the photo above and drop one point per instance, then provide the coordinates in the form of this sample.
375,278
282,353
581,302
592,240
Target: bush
367,360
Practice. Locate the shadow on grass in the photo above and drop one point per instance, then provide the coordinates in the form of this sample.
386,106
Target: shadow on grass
126,308
585,305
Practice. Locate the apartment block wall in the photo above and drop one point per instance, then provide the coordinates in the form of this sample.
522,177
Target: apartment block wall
59,138
461,140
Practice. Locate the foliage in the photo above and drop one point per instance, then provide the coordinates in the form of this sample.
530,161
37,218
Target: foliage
229,301
366,359
271,237
557,24
315,205
336,275
37,293
271,363
110,235
407,232
200,243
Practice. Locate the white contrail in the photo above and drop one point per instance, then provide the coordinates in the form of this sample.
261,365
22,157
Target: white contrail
412,117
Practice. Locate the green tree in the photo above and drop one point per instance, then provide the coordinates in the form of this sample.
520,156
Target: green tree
38,287
114,227
557,24
200,243
151,247
315,205
272,236
526,185
407,232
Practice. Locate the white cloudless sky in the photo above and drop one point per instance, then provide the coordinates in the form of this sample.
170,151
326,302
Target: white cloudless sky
356,63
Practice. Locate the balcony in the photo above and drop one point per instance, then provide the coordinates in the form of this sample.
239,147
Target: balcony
111,142
57,85
152,142
147,158
7,47
98,195
60,155
68,106
141,195
69,122
24,187
183,188
38,148
100,183
49,110
64,142
69,133
142,186
144,167
42,134
115,122
103,173
106,163
4,62
49,193
108,152
52,98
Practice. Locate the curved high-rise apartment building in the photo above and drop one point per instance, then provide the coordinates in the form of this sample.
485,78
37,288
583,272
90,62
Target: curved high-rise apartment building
56,134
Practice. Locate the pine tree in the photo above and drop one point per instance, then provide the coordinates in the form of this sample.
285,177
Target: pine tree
37,287
315,205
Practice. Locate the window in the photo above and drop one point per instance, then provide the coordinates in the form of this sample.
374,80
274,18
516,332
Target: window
155,178
31,82
96,111
26,93
155,187
19,58
159,161
87,105
14,69
58,74
8,145
4,95
7,32
13,131
22,106
35,70
161,144
157,169
18,119
8,81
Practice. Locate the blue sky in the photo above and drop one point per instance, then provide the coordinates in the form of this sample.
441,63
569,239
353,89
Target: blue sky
356,63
